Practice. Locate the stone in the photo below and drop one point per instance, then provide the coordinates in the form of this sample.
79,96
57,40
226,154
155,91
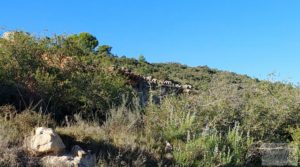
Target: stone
8,35
168,147
69,160
45,140
77,151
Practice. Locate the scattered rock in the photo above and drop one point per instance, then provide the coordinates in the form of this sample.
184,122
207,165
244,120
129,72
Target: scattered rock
46,143
69,161
77,158
45,140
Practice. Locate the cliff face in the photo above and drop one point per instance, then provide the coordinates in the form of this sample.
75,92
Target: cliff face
152,89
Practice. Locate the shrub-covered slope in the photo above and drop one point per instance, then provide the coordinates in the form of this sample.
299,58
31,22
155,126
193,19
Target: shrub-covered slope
66,82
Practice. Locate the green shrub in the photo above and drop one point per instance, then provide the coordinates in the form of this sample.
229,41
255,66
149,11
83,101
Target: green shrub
295,132
68,77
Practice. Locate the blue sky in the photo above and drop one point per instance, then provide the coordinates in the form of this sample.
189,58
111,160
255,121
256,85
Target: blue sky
254,37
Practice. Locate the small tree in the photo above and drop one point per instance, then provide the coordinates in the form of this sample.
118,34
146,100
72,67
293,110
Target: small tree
104,49
84,41
142,58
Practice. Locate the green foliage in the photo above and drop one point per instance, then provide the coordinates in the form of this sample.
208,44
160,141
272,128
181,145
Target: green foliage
69,75
54,71
180,122
142,59
104,49
204,151
295,132
85,41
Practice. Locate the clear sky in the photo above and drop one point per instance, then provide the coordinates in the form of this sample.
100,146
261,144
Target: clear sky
253,37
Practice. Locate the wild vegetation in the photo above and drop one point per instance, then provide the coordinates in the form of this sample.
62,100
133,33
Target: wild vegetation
64,82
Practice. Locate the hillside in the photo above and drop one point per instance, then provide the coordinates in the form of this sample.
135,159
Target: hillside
127,111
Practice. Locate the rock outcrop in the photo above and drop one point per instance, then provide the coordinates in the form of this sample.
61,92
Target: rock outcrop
44,141
146,84
47,144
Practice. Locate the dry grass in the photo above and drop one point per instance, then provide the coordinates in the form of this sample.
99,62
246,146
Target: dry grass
13,130
82,131
118,141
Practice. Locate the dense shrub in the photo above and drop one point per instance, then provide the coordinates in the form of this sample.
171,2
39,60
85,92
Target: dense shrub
60,73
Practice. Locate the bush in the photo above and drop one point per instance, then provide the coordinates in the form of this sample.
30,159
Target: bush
195,144
65,77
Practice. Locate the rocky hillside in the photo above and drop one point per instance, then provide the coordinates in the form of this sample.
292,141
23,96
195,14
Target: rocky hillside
130,112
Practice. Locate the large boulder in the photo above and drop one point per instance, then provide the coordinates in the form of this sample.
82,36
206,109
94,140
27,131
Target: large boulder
45,140
77,158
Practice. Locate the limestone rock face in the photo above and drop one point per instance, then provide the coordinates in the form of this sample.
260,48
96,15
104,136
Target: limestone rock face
45,140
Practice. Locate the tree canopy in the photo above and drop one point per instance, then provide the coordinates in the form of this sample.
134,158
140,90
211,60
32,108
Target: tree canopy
85,41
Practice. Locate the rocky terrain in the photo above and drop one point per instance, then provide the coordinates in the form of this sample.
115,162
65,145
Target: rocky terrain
48,145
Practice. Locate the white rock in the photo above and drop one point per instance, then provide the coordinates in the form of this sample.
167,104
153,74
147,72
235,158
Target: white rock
69,161
8,35
187,86
45,140
168,147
